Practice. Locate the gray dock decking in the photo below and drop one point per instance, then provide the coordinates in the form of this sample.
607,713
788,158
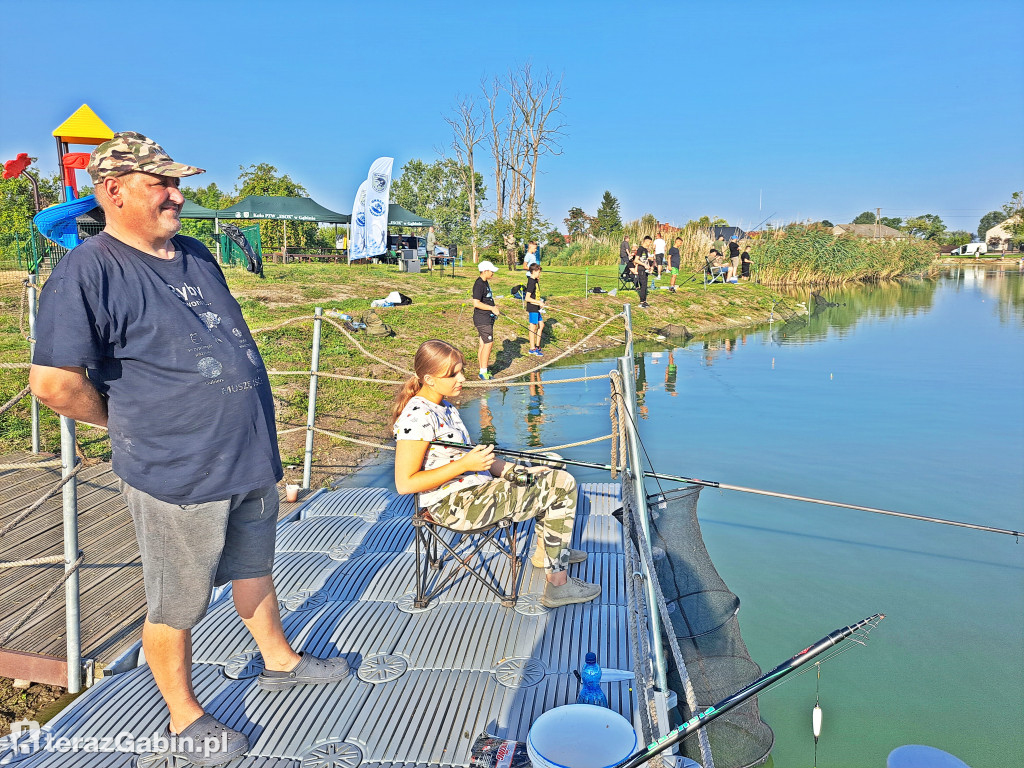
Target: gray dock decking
113,601
426,683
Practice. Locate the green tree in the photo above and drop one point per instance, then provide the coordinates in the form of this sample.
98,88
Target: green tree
927,226
865,218
17,209
209,197
554,239
827,223
264,179
438,191
895,222
608,221
578,223
1014,212
957,238
989,220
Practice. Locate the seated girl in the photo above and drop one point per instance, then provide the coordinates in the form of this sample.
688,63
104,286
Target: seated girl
471,489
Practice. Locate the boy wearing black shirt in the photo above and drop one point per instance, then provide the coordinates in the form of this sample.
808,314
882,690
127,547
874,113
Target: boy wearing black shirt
484,313
673,262
642,262
533,308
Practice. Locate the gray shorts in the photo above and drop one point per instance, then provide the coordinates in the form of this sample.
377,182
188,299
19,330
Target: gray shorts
187,549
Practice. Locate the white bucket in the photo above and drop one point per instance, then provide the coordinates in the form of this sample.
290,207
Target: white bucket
580,736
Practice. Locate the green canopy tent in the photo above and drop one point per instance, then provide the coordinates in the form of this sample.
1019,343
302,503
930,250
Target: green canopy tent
401,217
282,209
192,210
255,208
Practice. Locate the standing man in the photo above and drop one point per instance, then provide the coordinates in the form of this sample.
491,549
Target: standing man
138,332
534,305
659,253
643,265
531,256
734,256
673,262
624,249
484,313
431,244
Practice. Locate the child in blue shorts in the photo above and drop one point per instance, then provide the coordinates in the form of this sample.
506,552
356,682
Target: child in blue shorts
533,307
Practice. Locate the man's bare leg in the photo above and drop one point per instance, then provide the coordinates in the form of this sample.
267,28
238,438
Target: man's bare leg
169,656
256,603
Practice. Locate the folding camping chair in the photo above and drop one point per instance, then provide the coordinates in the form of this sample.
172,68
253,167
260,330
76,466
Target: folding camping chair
627,280
434,549
713,274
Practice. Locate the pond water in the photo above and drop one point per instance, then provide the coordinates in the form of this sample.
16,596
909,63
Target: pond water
907,396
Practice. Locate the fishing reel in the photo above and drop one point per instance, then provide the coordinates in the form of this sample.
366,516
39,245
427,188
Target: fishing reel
521,477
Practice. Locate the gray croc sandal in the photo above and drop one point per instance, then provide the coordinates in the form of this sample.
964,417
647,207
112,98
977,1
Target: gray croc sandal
309,671
207,741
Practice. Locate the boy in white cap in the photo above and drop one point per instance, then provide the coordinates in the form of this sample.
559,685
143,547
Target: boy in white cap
484,313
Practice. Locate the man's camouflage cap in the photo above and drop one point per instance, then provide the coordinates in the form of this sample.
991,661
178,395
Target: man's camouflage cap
128,152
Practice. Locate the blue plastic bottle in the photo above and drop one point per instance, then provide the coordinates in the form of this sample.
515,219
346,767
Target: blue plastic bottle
590,692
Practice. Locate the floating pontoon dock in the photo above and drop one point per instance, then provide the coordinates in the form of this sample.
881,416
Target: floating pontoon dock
425,684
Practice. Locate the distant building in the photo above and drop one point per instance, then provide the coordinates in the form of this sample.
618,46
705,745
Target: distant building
727,233
870,231
666,229
999,238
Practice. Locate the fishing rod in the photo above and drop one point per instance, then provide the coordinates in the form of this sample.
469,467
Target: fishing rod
758,225
729,702
540,458
525,327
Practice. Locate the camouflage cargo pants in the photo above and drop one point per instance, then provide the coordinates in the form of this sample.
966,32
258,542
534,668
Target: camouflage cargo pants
551,499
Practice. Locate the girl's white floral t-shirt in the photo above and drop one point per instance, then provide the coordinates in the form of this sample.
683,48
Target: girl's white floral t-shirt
424,420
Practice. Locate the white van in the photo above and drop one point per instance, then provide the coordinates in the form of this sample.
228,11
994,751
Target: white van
971,249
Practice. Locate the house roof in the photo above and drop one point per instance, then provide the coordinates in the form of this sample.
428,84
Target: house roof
867,230
727,233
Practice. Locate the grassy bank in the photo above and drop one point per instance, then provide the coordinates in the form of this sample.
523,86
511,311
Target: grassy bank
277,310
814,256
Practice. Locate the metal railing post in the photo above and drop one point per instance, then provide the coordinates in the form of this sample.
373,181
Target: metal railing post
307,467
640,492
72,609
628,315
34,406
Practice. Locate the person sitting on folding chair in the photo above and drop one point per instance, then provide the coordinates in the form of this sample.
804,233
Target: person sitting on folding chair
714,267
467,490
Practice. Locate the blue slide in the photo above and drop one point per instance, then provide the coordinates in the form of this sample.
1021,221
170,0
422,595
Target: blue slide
59,222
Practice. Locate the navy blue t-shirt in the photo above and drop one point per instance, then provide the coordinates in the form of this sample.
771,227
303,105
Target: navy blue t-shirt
191,415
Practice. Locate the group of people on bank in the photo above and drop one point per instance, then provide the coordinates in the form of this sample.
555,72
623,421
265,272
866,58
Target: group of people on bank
650,257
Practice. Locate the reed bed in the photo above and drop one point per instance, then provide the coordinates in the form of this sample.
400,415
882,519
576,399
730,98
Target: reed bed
593,251
814,256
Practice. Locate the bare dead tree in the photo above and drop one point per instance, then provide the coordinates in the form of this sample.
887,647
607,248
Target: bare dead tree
492,95
522,122
538,103
467,123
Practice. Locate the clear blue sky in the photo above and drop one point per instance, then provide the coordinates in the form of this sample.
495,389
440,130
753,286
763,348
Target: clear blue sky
680,109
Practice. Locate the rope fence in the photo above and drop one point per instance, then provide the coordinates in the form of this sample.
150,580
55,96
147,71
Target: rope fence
42,500
14,400
39,603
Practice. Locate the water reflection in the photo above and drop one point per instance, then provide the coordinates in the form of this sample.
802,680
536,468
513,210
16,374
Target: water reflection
640,364
670,375
810,316
488,434
535,410
1003,285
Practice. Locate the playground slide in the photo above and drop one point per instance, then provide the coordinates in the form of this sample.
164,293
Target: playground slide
59,222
